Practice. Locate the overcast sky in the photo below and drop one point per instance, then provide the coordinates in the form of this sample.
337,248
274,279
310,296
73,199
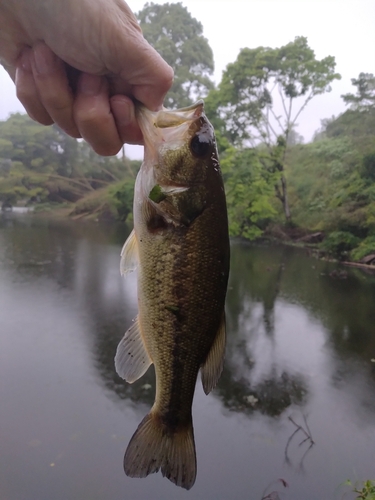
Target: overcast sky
344,29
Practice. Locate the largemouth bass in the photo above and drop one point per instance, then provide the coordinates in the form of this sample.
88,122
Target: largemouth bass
180,246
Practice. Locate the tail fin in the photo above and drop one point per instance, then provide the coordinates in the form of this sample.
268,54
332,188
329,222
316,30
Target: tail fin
152,448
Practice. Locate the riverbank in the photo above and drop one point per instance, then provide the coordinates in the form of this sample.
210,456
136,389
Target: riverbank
95,208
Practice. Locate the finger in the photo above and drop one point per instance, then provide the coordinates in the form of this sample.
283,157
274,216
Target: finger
53,87
135,62
92,114
152,91
124,114
154,77
27,91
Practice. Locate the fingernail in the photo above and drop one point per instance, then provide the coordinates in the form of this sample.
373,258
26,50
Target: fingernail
44,59
90,85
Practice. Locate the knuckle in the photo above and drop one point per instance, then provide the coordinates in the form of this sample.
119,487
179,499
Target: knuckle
55,103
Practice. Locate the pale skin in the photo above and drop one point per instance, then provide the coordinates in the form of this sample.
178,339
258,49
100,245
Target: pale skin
81,64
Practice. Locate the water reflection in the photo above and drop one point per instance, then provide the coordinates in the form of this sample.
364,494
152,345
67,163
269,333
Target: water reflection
300,339
83,258
77,257
253,379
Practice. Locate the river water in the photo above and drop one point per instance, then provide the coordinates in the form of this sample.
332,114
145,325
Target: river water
292,417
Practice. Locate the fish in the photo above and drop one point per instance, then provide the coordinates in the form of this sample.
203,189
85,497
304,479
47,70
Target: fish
180,248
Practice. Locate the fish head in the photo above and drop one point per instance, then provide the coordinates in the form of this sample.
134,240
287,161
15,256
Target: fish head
179,145
180,177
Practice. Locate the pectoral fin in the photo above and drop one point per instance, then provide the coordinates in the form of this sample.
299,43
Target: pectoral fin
132,359
129,255
160,209
213,366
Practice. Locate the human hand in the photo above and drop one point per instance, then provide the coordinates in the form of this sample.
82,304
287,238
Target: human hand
80,64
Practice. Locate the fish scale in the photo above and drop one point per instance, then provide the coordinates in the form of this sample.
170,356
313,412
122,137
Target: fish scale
180,245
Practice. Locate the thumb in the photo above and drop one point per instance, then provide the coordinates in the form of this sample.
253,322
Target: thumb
152,95
154,78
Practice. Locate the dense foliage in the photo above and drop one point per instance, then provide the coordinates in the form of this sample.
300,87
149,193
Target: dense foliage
178,37
274,183
42,164
262,94
332,183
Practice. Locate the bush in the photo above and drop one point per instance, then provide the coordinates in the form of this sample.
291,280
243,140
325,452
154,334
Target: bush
339,243
366,491
366,247
368,166
121,195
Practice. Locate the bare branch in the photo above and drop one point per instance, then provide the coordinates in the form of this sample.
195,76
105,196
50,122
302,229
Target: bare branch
307,433
290,109
287,459
81,181
282,99
274,86
308,99
277,119
301,465
110,174
307,427
299,427
269,123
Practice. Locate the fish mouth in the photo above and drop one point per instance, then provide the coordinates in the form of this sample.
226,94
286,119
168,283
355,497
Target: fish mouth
172,127
173,118
166,118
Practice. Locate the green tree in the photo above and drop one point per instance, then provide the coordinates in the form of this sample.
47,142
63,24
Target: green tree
122,194
39,164
263,93
178,37
248,190
368,166
364,98
32,144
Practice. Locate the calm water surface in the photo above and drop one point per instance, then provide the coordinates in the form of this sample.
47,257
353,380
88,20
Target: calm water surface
300,344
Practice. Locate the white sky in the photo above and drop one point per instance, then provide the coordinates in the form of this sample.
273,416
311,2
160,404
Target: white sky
344,29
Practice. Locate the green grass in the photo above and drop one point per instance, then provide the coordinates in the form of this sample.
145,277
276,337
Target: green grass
365,491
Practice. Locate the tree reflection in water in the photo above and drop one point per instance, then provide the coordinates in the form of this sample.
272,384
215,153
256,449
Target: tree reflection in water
83,258
251,383
300,342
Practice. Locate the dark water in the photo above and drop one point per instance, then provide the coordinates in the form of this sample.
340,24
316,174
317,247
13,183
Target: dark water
300,344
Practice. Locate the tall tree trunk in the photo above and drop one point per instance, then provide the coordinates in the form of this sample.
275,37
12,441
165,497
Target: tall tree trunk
285,198
282,194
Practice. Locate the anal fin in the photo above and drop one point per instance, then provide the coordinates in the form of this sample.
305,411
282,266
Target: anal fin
132,359
213,366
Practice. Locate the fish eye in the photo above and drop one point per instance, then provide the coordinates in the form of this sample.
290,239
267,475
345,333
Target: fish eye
199,148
